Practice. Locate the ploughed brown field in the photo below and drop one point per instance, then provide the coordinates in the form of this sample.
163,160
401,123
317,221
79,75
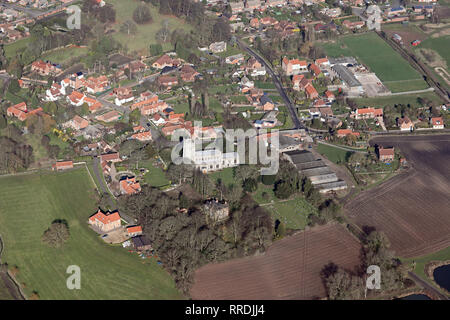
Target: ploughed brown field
290,269
412,208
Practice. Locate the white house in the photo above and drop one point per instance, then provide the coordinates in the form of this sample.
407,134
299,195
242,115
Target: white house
208,160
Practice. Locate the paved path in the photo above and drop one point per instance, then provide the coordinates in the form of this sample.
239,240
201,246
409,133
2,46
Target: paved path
426,285
341,147
412,92
100,181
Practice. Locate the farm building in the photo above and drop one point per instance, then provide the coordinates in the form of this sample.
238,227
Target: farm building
62,165
134,231
348,78
141,243
321,176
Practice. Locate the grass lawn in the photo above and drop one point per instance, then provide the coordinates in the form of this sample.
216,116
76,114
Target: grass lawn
226,175
155,177
333,154
12,49
61,55
375,53
30,203
146,33
403,99
293,213
264,85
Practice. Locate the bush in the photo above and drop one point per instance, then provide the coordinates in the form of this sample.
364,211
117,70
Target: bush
142,15
268,180
250,185
57,234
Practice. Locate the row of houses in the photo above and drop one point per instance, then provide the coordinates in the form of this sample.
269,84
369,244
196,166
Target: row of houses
251,5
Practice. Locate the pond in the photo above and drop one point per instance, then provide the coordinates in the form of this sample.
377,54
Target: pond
442,276
416,297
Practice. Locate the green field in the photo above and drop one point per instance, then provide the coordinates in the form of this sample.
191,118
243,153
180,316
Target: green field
12,49
406,99
440,45
372,51
30,203
61,55
226,175
293,213
145,33
333,154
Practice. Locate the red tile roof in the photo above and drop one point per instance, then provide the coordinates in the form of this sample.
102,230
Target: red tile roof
105,218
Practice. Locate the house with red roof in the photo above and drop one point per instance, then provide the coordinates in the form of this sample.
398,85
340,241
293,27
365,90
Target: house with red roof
405,124
311,92
44,68
315,70
78,123
134,231
341,133
367,113
294,66
110,116
163,61
296,79
142,136
129,186
158,120
123,95
167,81
76,98
322,62
386,154
96,85
62,165
105,222
437,122
55,92
329,96
188,73
19,111
110,157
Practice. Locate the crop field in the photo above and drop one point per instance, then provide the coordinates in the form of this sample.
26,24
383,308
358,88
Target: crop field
290,269
412,208
372,51
146,33
29,203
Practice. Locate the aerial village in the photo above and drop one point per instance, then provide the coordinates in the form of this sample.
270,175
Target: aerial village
282,70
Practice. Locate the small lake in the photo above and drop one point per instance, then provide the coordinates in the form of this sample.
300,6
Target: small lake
416,297
442,276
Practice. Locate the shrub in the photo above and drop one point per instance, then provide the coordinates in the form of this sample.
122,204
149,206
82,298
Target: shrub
142,15
57,234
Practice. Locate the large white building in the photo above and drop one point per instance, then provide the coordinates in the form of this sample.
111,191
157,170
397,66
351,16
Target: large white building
208,160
